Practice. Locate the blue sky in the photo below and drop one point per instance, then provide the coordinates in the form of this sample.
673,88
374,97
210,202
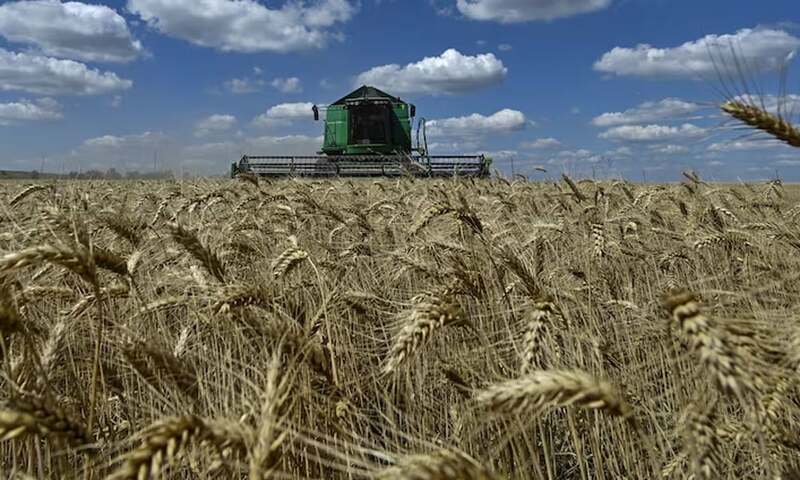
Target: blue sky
604,87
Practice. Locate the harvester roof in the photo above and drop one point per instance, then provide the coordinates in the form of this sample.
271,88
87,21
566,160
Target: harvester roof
366,93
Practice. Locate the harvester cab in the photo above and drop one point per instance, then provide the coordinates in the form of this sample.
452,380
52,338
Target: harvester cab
367,134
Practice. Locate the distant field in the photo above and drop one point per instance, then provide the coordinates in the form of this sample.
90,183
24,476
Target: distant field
17,175
399,329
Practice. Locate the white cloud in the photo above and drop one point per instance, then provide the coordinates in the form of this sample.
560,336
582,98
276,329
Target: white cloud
505,47
287,85
512,11
669,149
214,124
743,145
114,142
43,109
787,163
254,84
504,121
246,25
620,152
581,155
542,144
759,49
500,154
142,151
284,114
69,30
244,85
653,133
216,157
647,112
50,76
456,147
449,73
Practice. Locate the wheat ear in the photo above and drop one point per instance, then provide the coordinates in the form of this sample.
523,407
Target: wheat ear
702,445
427,316
538,322
763,120
543,390
29,190
165,440
716,353
206,256
441,465
28,414
286,261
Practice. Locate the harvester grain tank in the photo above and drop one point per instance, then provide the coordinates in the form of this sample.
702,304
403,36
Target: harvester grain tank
368,133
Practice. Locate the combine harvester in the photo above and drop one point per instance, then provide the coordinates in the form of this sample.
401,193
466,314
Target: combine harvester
367,134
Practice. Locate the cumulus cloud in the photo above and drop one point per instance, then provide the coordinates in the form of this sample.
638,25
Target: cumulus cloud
246,25
456,147
112,142
206,158
214,124
122,152
138,152
254,84
542,144
744,145
244,85
669,149
72,30
284,114
503,121
513,11
647,112
449,73
22,111
653,133
287,85
760,49
49,76
581,155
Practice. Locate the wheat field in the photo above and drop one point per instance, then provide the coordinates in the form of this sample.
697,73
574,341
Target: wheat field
399,329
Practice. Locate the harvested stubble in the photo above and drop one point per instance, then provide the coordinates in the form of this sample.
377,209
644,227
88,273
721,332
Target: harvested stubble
228,351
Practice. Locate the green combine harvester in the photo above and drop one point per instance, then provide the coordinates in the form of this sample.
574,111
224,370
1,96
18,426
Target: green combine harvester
367,134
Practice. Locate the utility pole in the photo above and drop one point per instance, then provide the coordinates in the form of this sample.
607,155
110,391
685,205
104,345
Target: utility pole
513,170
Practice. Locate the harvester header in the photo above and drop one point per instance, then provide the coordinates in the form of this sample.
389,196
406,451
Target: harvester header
368,133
